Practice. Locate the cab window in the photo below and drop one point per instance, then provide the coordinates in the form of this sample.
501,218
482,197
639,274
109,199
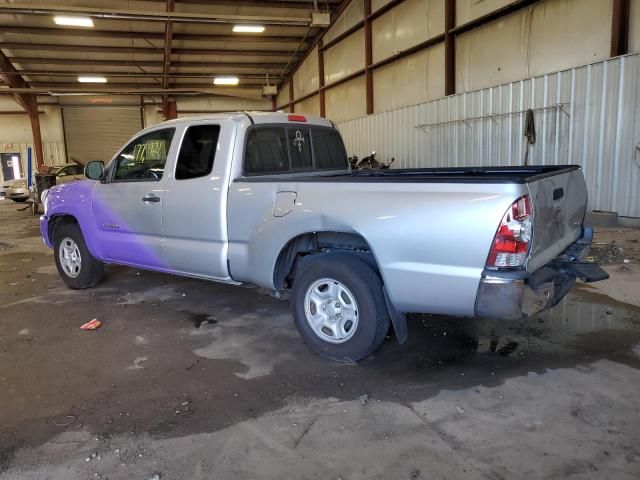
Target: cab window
144,159
197,152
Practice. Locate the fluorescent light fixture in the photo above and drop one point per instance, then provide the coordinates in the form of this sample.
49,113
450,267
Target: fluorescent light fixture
248,28
73,21
91,79
226,81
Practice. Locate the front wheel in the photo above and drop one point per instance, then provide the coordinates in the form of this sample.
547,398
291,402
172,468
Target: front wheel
77,267
338,307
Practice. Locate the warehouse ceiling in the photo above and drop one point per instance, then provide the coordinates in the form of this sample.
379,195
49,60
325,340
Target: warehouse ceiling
151,47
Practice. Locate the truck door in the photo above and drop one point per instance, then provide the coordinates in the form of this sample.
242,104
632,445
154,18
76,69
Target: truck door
127,207
195,205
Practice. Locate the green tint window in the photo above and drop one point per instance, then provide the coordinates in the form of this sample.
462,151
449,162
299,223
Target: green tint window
144,158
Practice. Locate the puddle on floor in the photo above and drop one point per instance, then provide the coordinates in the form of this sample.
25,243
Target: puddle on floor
583,324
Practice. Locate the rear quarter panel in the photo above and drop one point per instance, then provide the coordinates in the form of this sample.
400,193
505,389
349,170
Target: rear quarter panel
430,240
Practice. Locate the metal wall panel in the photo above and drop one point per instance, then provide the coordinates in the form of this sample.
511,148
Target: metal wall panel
406,25
634,27
283,95
467,10
410,80
588,116
347,19
310,106
346,100
305,80
344,58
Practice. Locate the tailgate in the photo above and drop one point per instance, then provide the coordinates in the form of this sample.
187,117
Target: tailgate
559,203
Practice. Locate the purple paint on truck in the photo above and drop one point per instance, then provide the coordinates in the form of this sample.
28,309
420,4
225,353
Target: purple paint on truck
80,200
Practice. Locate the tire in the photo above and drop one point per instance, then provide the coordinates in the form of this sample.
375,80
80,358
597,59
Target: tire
19,200
362,285
77,275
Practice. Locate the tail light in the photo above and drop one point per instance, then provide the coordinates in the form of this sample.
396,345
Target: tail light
511,244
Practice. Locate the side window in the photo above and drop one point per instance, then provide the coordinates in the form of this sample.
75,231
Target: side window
328,150
77,170
266,151
62,172
197,152
144,158
299,148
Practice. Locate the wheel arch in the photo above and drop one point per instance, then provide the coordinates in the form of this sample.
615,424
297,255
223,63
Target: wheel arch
301,247
58,221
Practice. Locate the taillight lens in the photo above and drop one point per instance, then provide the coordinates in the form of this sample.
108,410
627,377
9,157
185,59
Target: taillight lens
511,244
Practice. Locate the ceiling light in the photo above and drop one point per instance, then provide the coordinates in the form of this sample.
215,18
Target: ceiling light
73,21
92,79
248,28
226,81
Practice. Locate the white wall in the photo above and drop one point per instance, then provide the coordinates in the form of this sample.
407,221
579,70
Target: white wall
549,36
634,27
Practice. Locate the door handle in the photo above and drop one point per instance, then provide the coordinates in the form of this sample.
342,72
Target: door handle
150,197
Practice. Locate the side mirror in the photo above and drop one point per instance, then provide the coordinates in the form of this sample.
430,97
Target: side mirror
94,170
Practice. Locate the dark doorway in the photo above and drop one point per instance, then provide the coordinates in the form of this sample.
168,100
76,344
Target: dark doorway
10,166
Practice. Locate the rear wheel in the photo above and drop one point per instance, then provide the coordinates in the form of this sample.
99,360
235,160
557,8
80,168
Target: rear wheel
77,267
338,307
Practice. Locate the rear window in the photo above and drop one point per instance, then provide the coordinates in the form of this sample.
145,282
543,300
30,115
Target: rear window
284,149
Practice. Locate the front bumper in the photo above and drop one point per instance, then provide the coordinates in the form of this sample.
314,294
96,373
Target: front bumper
18,193
44,230
514,295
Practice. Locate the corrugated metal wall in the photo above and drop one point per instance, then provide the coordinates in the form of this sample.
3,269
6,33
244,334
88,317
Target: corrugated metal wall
588,116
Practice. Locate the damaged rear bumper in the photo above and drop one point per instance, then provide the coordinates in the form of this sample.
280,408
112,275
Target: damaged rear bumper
514,295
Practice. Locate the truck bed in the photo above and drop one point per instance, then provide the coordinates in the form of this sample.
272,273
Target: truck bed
517,175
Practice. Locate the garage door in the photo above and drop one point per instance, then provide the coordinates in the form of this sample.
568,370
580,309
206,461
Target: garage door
97,133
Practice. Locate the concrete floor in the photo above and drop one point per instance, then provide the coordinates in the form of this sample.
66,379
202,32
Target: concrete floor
189,379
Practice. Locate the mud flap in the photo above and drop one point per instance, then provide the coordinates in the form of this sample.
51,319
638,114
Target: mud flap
398,319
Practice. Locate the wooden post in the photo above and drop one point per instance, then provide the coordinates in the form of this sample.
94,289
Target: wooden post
368,56
449,47
620,28
172,109
321,79
292,107
34,118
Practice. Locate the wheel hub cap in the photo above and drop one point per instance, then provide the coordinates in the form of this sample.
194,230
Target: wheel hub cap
331,310
70,258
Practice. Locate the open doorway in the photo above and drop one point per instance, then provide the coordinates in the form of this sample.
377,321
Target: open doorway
11,166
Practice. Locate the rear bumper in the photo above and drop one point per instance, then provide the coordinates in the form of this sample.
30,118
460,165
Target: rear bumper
514,295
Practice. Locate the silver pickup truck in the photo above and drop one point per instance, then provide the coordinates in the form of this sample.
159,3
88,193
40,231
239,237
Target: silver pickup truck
268,199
